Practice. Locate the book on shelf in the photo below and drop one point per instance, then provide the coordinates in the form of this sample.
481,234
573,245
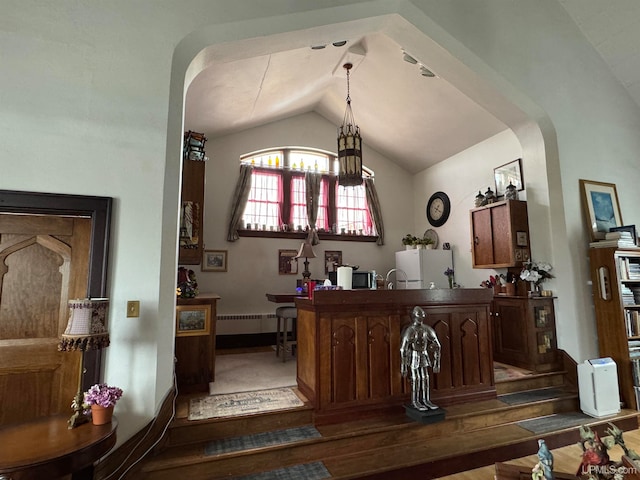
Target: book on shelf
618,243
635,363
637,392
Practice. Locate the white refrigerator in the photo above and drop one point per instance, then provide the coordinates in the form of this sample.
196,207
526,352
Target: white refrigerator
422,267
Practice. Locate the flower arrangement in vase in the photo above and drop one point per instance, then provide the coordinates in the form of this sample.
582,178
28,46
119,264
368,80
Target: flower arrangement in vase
101,399
450,273
536,273
187,284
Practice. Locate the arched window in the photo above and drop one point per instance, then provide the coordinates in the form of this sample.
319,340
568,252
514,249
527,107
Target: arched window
278,201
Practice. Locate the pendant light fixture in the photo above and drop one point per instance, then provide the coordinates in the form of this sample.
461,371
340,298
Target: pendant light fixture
349,145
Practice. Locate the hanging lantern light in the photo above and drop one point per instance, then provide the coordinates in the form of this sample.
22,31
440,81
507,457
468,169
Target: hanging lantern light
349,145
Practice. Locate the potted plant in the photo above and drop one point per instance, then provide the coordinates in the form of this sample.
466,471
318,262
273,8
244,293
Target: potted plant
102,398
409,241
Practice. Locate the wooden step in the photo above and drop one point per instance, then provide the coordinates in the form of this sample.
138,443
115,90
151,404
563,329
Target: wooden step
354,437
530,382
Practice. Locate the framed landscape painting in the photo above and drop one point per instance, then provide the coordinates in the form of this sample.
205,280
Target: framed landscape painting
193,320
600,203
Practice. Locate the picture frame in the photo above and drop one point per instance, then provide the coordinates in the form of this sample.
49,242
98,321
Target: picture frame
193,320
331,258
522,239
601,207
627,228
214,261
508,173
287,262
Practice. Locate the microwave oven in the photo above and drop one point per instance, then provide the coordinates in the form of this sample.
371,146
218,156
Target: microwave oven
359,279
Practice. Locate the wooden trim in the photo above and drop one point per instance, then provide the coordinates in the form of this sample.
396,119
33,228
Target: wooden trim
99,209
129,454
302,235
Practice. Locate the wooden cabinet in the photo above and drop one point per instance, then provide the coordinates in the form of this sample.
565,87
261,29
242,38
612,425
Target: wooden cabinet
500,235
191,212
349,361
524,332
196,351
615,275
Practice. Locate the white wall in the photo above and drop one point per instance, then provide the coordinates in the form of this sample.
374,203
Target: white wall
253,262
92,98
461,177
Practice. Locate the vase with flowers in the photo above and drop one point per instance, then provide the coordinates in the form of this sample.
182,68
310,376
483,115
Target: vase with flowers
536,273
449,273
187,285
101,399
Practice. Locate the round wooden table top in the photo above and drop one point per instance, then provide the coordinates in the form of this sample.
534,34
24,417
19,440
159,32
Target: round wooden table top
46,447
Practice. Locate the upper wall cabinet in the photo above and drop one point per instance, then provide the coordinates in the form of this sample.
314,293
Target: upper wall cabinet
500,235
192,199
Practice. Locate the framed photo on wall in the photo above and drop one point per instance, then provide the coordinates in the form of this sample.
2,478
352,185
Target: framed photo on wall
287,262
600,204
331,259
214,261
193,320
508,173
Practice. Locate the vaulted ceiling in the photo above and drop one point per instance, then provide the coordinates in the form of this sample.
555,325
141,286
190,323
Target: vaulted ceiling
412,118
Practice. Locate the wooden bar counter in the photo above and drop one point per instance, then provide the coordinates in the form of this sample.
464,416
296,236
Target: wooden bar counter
349,349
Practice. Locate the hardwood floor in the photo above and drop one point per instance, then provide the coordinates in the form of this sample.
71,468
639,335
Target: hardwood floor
566,459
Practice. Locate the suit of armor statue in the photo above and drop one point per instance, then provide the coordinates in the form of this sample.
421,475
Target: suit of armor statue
419,350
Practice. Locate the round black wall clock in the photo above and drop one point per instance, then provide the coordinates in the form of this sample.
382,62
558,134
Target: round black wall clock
438,209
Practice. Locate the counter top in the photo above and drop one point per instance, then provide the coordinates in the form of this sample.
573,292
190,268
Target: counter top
439,296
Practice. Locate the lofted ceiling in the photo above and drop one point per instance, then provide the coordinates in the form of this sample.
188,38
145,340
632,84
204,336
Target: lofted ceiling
412,119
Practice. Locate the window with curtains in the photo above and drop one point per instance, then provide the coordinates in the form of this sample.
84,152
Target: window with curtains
277,201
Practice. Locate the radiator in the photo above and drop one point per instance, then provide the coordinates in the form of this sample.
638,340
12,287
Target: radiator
244,323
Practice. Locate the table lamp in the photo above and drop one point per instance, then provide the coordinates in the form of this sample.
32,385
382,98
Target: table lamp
86,330
306,251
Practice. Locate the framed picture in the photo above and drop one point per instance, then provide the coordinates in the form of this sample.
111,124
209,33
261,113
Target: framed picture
214,261
600,204
522,239
287,262
627,228
331,259
508,173
193,320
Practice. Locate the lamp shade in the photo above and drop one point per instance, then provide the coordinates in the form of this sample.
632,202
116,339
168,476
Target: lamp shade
306,251
87,327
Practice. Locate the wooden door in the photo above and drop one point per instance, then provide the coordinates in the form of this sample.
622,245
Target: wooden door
482,237
44,261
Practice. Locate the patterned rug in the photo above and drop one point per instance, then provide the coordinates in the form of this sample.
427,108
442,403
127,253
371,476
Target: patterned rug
530,396
307,471
554,422
244,403
259,440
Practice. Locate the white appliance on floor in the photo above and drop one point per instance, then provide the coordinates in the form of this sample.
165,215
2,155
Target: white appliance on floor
598,387
422,267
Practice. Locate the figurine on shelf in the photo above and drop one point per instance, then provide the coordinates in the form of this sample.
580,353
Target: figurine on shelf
480,200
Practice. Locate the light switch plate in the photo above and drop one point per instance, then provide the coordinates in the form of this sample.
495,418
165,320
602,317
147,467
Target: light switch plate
133,308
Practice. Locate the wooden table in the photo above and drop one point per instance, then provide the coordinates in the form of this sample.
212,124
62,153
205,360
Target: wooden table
282,297
46,448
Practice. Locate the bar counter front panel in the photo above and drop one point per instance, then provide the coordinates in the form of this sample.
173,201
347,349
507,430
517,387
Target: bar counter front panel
349,349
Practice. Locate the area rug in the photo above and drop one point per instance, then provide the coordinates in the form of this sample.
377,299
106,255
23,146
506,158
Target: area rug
504,372
258,440
556,421
530,396
308,471
243,403
243,372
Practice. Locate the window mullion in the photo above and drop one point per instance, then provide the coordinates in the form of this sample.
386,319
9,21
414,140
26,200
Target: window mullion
286,197
332,209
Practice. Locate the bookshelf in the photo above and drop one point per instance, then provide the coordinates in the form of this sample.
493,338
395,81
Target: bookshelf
615,273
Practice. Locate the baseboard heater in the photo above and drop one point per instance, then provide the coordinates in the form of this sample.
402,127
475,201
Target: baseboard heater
246,316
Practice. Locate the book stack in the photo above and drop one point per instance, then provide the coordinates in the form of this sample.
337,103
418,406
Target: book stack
615,239
632,322
627,295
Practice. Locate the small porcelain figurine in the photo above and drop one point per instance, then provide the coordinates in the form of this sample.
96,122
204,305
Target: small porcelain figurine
479,199
511,192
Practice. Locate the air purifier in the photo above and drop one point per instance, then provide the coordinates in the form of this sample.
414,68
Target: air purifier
598,387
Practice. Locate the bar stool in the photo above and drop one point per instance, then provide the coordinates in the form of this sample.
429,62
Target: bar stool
283,315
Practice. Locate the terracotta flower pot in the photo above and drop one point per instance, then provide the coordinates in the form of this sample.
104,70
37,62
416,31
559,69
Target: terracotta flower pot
101,415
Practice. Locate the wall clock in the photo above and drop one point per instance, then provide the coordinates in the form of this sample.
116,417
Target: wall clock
438,209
